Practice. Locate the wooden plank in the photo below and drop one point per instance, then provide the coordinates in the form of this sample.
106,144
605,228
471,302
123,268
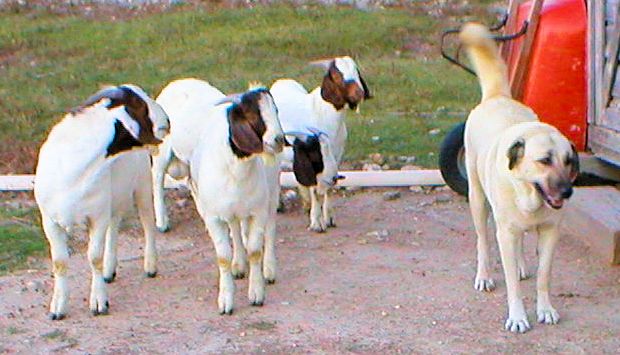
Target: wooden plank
517,80
605,143
591,50
613,41
426,177
598,12
592,217
610,119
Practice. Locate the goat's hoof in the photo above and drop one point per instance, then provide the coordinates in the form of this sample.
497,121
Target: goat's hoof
163,229
151,275
257,303
280,209
110,279
239,275
101,312
316,229
270,281
331,223
228,312
56,316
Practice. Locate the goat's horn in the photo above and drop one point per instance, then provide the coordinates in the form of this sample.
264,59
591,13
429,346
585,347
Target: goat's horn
234,98
322,63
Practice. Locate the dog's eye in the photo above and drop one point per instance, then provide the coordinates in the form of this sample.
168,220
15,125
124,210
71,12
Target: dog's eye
546,161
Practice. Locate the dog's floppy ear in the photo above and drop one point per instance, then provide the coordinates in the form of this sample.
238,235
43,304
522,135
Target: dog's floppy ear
246,127
367,94
515,152
302,165
574,163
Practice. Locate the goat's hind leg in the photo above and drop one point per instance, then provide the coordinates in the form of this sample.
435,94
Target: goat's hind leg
98,291
316,217
240,261
160,164
109,257
328,213
144,203
57,238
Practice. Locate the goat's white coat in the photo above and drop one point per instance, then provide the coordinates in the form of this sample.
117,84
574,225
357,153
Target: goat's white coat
186,101
76,183
300,109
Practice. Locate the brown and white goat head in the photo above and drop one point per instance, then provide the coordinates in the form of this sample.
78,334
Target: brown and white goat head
254,124
343,83
140,120
313,161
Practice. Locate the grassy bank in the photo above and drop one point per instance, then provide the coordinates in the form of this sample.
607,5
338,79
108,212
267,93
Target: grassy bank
50,63
20,238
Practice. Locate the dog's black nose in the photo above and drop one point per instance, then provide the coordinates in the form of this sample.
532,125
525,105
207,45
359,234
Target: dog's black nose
566,191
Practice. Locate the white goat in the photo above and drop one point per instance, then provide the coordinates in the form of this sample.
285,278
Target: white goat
182,100
323,108
230,186
87,174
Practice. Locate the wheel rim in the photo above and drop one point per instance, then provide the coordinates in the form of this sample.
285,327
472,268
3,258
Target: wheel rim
460,163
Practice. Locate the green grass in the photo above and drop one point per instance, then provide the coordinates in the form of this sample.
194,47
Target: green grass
51,63
19,239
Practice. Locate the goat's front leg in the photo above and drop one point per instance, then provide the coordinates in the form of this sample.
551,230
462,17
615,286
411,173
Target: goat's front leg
547,239
316,221
239,261
256,232
57,239
98,291
109,256
269,260
517,318
328,215
218,230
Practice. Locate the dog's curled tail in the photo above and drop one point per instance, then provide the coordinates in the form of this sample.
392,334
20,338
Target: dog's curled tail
488,64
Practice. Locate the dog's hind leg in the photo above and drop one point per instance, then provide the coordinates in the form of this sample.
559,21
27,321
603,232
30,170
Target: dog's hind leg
480,215
523,274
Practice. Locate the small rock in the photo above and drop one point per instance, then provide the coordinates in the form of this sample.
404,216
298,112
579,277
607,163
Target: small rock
377,158
362,241
380,235
371,167
416,189
375,139
397,306
290,195
385,167
434,132
242,334
35,286
285,303
443,198
384,313
353,188
391,195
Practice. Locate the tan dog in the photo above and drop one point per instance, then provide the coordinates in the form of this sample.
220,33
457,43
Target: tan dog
524,169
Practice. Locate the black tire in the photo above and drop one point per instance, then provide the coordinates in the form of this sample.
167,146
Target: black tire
452,160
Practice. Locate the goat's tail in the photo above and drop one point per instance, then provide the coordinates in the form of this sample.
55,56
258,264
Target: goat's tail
488,64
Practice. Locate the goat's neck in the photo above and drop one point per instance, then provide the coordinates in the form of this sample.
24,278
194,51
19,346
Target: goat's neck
328,118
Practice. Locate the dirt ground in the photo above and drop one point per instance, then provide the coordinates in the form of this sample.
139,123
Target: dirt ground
394,276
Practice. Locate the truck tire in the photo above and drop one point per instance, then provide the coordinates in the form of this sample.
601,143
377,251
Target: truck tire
452,160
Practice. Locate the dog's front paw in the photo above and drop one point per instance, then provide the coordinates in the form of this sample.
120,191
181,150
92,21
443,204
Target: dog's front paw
548,315
517,323
484,284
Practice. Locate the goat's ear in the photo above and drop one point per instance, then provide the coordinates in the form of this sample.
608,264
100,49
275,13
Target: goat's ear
515,152
367,94
302,165
331,88
246,128
574,163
